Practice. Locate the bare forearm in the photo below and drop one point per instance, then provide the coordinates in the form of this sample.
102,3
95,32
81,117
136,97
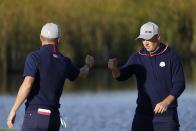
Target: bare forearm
22,94
84,71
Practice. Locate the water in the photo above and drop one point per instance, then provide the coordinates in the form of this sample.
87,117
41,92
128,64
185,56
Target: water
104,107
104,111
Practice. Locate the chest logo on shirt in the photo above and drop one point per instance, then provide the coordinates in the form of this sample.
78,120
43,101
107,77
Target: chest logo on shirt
55,55
162,64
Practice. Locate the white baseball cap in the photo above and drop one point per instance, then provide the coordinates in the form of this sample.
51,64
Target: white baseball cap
51,30
148,30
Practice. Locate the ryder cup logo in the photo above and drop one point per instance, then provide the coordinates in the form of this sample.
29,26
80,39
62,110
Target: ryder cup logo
162,64
55,55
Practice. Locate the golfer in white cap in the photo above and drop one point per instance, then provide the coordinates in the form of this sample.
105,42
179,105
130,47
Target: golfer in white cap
160,81
44,74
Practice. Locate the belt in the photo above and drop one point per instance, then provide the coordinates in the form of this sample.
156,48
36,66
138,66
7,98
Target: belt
36,107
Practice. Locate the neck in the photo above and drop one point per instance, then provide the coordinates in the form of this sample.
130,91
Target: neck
49,43
156,49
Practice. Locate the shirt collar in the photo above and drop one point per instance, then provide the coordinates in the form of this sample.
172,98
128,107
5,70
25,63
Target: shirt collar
51,47
160,51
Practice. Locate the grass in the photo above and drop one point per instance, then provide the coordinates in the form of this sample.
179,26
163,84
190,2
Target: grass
7,130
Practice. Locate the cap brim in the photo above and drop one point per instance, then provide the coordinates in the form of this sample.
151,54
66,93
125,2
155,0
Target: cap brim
145,37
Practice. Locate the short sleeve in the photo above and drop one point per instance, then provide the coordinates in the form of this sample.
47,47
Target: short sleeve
31,65
73,71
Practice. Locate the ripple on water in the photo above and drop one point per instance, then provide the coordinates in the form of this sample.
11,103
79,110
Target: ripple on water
103,111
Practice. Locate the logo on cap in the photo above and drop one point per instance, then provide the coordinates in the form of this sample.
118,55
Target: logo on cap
148,31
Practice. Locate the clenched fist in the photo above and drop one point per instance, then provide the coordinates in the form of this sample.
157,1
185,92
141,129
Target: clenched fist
112,63
89,60
113,66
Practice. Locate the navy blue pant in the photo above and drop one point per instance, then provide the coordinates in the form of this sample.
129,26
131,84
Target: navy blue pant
33,121
156,123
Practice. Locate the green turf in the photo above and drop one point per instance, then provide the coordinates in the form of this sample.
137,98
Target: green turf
8,130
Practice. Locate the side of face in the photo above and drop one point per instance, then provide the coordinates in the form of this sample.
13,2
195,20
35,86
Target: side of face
152,44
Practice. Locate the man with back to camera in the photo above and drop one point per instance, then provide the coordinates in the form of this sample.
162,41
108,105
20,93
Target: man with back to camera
45,72
160,81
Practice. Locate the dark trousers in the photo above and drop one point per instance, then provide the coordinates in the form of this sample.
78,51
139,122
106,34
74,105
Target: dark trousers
34,121
143,122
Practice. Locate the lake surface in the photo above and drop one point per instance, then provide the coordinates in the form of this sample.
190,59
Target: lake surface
100,103
103,111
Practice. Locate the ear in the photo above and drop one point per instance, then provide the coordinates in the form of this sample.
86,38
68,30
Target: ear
158,37
59,39
42,40
40,37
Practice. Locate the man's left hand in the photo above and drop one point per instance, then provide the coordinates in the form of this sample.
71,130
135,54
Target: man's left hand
161,107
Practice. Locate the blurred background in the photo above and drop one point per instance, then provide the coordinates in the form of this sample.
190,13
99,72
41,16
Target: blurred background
104,29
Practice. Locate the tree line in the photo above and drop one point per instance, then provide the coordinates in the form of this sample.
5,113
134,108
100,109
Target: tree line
103,28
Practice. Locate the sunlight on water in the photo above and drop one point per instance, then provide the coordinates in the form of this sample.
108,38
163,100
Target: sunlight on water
104,111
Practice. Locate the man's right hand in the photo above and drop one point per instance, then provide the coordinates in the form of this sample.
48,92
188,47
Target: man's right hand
113,66
89,61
